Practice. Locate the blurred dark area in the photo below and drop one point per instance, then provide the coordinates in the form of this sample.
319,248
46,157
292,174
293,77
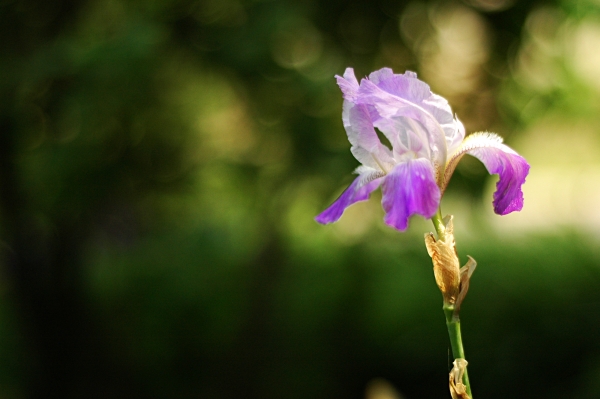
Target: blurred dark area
161,163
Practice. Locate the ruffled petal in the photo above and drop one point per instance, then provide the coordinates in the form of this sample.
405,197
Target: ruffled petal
501,160
357,118
366,146
455,135
393,106
408,190
406,86
409,87
360,190
348,84
406,136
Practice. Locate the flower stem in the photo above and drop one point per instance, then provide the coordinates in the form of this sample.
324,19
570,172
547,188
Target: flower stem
438,223
452,318
453,324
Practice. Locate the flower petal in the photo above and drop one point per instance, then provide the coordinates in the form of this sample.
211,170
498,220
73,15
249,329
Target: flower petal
409,87
348,84
360,190
454,139
406,98
498,159
366,146
410,189
406,136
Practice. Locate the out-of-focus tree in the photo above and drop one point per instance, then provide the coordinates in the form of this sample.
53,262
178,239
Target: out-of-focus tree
161,163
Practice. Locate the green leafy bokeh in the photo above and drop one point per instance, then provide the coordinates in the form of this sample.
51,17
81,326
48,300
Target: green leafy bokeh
161,163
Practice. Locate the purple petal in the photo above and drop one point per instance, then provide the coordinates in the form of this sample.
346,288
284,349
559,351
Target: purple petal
366,146
454,136
409,87
348,84
406,86
382,75
393,106
357,191
502,160
410,189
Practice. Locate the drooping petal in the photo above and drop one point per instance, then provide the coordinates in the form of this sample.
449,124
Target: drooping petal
360,190
408,190
498,159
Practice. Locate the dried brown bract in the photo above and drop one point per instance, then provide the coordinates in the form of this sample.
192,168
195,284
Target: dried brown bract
452,280
458,390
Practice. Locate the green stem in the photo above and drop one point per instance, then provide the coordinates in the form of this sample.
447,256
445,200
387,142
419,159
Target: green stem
453,324
438,223
452,320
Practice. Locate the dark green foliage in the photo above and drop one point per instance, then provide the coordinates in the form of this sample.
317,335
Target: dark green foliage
160,166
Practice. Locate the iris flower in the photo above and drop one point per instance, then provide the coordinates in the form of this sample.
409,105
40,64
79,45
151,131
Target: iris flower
427,143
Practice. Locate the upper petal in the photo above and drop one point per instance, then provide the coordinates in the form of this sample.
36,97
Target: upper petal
357,118
348,84
409,87
366,146
454,135
360,190
406,101
498,159
407,136
409,189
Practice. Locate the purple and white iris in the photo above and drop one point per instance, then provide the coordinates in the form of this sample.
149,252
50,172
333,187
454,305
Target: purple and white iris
427,142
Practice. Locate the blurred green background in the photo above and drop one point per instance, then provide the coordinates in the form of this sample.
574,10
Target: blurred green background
161,163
